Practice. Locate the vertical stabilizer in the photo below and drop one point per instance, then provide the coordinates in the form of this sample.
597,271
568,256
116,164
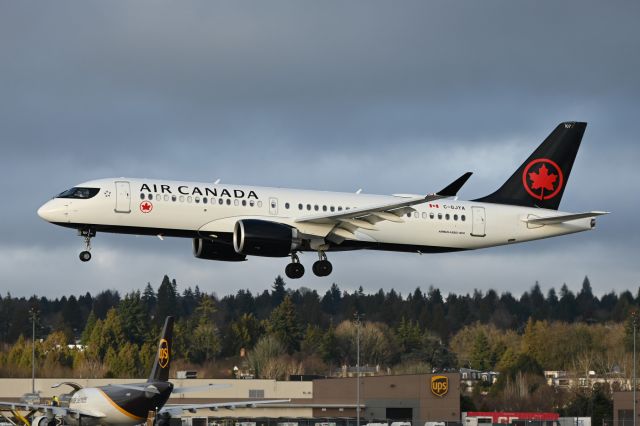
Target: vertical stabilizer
160,370
540,181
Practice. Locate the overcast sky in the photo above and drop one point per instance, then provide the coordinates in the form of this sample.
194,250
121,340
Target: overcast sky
385,96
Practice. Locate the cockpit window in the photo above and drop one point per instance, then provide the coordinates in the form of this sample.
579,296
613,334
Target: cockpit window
81,193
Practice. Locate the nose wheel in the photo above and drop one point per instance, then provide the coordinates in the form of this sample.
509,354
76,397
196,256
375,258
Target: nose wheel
294,270
87,234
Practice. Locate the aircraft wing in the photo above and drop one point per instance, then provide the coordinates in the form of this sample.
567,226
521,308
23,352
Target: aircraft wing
176,409
348,221
554,220
56,411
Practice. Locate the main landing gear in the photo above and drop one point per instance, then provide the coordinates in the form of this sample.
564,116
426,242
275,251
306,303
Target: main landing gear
321,268
87,234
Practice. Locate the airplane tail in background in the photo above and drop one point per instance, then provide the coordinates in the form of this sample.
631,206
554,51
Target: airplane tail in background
540,181
160,370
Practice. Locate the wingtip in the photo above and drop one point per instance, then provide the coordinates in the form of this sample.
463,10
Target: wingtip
453,188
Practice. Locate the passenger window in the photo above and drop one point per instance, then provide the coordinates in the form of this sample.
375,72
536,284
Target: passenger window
158,197
315,207
236,202
440,216
455,217
332,208
174,198
259,203
447,216
339,208
189,199
431,215
286,206
463,218
299,206
409,214
228,201
166,197
182,198
416,215
204,200
142,196
244,202
251,203
221,201
151,196
198,200
308,206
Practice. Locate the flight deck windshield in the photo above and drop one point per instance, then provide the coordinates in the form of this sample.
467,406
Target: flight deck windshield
81,193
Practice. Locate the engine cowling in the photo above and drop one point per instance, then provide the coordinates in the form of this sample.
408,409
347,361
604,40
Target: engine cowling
263,238
211,250
43,421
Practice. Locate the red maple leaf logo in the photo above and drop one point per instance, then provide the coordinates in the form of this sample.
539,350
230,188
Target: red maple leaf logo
146,207
543,179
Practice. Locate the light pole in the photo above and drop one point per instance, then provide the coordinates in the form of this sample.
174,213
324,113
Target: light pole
358,316
32,311
634,321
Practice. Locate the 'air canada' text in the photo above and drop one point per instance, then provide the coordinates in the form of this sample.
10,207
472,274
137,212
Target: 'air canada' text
205,192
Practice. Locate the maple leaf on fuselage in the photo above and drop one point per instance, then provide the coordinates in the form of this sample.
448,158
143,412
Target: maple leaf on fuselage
542,179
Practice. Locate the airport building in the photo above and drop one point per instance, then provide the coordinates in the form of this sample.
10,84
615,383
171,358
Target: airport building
418,398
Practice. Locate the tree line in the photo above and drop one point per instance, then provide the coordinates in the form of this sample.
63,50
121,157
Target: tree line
283,331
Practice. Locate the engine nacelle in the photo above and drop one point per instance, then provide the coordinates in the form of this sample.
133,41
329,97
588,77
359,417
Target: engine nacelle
211,250
43,421
263,238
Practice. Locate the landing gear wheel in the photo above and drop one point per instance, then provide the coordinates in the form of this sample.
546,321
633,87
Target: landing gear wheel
294,270
322,268
87,234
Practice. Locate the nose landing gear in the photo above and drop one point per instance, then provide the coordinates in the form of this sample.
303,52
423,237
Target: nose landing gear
87,234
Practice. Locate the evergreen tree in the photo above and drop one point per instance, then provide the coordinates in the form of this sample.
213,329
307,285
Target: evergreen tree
167,300
284,325
481,355
278,291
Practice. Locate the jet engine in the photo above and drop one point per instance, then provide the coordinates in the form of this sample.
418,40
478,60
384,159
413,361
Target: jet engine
44,421
263,238
212,250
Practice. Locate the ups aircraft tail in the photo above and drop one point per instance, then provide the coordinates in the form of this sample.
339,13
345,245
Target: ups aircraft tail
160,370
540,181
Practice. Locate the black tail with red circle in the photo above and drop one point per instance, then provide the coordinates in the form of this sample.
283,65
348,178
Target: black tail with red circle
540,181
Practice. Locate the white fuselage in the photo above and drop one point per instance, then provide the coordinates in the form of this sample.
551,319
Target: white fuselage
191,209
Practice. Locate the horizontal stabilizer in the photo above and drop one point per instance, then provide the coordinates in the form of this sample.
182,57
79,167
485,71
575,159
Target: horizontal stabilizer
554,220
189,389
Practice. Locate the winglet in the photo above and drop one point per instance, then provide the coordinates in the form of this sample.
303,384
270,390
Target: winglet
452,189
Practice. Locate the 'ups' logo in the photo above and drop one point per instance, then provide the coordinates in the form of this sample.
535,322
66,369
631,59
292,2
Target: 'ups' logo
439,385
163,353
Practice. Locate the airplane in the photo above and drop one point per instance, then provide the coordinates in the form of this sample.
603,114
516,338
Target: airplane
128,404
231,222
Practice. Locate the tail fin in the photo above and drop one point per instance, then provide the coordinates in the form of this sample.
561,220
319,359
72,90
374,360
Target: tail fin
160,370
540,181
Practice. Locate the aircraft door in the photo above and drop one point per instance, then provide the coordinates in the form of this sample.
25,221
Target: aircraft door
123,197
478,222
273,206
